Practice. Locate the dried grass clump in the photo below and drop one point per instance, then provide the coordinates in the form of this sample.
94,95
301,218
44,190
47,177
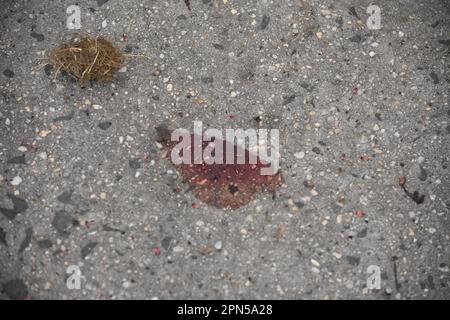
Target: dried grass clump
88,58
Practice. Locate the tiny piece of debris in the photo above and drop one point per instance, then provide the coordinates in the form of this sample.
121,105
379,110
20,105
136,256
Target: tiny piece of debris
281,232
226,186
188,4
360,214
205,250
88,58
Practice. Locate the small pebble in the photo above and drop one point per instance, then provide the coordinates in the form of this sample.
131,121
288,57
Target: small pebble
337,255
315,270
16,181
315,263
178,249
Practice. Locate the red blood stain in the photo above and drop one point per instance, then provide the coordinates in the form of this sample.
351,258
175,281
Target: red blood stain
415,196
224,185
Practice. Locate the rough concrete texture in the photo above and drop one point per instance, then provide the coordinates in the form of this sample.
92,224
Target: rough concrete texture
82,181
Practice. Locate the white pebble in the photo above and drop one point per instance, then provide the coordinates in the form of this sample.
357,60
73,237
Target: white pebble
218,245
315,263
315,270
200,223
337,255
16,181
178,249
42,155
299,155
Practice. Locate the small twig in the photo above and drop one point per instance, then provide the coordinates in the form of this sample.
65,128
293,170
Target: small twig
93,62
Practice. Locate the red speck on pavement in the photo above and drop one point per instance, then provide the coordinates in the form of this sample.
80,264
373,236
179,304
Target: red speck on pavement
195,205
157,251
360,214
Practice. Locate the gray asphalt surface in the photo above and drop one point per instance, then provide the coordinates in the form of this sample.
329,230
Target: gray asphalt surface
82,181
